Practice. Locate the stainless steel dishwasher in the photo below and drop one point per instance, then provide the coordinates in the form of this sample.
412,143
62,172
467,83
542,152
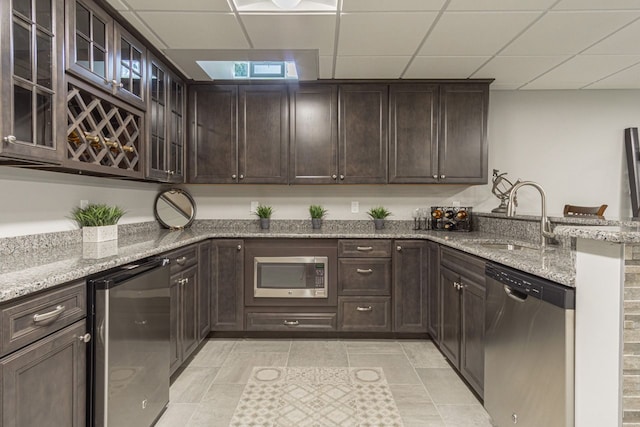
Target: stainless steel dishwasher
128,372
529,350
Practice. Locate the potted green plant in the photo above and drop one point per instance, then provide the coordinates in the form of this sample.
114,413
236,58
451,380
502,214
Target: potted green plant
98,222
317,212
264,212
378,215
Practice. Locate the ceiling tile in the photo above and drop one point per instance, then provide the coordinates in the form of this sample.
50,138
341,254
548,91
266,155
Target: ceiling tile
582,70
567,33
178,6
627,79
598,5
517,70
496,5
624,42
485,33
441,67
390,5
375,34
118,4
291,31
503,86
326,67
144,29
189,30
370,67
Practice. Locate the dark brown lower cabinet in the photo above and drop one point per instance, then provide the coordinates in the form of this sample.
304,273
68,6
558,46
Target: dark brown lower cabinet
185,332
364,314
462,306
204,289
410,280
433,292
43,384
227,283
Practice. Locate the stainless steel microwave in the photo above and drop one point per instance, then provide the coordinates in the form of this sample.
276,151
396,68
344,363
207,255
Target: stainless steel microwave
290,277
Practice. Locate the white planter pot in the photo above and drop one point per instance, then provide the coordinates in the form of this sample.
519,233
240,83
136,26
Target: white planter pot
99,234
95,250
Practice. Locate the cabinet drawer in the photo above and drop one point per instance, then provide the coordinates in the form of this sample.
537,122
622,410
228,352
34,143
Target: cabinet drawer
291,321
364,314
182,259
32,318
364,276
364,248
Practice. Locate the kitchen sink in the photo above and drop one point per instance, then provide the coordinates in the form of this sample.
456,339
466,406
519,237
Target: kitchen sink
507,247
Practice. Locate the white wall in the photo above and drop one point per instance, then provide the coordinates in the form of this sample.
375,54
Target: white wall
571,142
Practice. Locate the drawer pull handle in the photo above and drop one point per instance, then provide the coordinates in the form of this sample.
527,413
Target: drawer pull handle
37,318
363,271
364,248
182,260
291,322
367,308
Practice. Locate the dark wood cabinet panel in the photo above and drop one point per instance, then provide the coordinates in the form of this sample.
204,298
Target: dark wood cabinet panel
450,315
433,292
43,384
227,279
413,129
190,333
364,276
31,82
410,281
463,133
263,137
362,133
213,137
204,289
292,321
313,156
362,248
174,324
364,314
472,357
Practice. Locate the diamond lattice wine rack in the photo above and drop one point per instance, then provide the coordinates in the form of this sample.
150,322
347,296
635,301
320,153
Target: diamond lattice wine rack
103,135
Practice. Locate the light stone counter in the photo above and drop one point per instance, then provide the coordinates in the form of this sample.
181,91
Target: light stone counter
26,271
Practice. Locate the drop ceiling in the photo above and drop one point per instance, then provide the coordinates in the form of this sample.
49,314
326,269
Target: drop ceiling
523,44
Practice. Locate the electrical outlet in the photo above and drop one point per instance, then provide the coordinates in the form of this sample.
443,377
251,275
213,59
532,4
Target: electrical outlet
84,204
355,207
254,206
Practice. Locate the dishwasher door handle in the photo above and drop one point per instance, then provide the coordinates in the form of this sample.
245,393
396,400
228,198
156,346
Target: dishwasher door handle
515,295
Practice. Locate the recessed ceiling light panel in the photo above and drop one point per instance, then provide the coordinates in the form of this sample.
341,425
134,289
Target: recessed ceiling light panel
285,6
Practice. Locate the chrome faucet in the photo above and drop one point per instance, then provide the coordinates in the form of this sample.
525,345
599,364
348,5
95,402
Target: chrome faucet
545,229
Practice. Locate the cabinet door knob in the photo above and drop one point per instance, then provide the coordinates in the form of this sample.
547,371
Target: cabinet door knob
367,308
85,338
341,177
398,248
334,176
241,176
12,139
239,247
443,176
435,176
234,176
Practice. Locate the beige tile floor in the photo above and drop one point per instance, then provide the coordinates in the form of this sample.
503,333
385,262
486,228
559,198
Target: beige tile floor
427,391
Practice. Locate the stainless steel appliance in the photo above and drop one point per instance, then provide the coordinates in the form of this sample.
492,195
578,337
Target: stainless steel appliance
128,377
529,350
290,277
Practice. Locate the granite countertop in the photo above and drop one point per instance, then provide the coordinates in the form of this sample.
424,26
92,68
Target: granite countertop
623,233
22,273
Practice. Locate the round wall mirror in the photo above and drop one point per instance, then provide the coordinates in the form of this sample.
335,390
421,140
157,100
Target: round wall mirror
175,208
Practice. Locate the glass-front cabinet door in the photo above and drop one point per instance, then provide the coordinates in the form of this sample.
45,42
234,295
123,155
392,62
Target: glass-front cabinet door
31,79
165,110
129,68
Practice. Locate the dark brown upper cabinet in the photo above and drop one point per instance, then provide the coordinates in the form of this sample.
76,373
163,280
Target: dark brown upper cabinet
166,123
31,81
438,133
213,140
362,133
239,134
413,123
313,154
263,146
103,53
462,151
